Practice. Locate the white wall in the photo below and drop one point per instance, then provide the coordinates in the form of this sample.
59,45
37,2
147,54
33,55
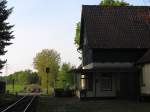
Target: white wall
145,86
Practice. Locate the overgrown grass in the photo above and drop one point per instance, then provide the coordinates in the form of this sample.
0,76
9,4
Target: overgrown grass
29,88
17,88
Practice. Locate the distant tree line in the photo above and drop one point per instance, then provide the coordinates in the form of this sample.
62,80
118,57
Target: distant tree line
63,78
22,78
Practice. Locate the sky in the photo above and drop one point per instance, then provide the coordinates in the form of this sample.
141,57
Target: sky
45,24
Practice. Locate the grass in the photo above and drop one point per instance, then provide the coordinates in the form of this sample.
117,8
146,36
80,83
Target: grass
20,88
49,104
17,88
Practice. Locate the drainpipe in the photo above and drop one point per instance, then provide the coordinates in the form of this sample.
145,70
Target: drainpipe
139,73
95,85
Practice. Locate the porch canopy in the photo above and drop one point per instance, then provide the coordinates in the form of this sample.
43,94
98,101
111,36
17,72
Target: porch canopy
103,70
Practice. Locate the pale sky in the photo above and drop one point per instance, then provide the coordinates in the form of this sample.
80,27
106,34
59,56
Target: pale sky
49,24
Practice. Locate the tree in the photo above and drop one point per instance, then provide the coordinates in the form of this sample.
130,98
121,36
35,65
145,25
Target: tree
77,36
102,3
33,78
113,3
47,58
5,29
65,78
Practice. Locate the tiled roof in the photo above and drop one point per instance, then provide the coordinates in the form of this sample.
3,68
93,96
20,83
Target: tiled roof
145,58
116,27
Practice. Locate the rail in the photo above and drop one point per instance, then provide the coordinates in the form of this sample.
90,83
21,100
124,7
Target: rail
29,104
25,102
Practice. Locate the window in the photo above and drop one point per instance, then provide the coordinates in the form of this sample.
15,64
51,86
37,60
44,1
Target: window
106,83
83,82
87,82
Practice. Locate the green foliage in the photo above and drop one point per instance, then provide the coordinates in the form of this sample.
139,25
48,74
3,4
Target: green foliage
113,3
32,78
22,78
65,78
77,36
5,29
47,58
17,88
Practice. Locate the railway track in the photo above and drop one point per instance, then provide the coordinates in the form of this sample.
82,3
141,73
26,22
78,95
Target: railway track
24,104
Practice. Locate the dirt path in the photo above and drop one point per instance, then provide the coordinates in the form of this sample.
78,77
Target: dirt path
49,104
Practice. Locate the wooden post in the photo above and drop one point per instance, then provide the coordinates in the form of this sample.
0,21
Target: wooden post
13,85
47,72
